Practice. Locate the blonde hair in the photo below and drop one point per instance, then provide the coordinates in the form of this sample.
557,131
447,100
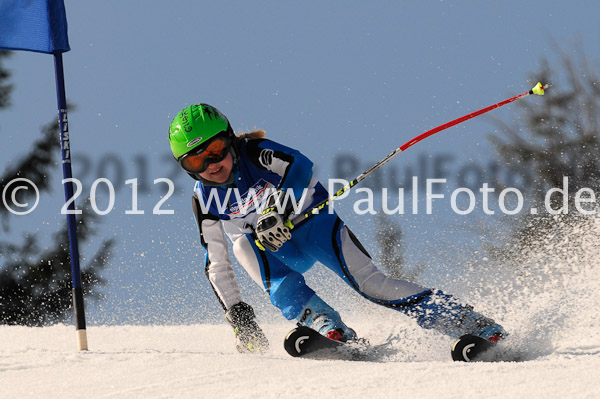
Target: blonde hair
257,134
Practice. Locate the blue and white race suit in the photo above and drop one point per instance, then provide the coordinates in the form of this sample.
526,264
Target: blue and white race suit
263,166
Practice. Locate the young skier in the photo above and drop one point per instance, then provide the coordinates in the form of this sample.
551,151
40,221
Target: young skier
247,189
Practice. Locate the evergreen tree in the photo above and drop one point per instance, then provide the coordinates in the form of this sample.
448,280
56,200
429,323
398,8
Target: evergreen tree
35,284
389,237
553,138
5,88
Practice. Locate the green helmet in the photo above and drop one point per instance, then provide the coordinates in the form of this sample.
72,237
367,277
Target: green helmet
195,125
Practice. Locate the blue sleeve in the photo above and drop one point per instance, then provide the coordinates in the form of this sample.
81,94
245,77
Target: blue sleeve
294,167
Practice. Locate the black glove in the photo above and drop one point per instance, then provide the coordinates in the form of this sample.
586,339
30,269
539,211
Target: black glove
249,338
273,228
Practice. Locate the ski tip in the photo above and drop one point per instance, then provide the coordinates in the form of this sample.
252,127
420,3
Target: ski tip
468,347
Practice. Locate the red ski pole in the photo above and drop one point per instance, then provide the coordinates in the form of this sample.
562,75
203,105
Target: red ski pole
537,89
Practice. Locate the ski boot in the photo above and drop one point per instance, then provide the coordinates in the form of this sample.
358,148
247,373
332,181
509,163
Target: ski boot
491,332
321,317
474,333
447,315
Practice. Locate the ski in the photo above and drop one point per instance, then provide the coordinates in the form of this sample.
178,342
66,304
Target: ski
303,340
306,342
469,348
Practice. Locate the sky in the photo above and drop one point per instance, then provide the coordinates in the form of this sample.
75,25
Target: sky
337,80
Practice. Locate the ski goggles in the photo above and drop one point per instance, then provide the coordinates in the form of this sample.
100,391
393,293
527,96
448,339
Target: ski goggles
214,151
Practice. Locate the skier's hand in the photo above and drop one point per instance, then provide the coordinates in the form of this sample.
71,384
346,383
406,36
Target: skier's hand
249,337
273,228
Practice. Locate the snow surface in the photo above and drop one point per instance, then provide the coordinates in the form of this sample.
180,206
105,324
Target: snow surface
551,307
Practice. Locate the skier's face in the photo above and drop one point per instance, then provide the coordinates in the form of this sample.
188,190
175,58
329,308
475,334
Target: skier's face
218,172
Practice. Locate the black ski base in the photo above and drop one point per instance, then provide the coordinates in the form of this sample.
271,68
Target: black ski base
469,348
302,341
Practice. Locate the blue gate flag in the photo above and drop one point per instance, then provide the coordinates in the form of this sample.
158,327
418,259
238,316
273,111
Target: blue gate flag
33,25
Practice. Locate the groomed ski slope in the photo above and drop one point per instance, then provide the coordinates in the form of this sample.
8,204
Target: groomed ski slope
554,318
200,362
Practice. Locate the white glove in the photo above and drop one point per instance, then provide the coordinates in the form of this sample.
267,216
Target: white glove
272,228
